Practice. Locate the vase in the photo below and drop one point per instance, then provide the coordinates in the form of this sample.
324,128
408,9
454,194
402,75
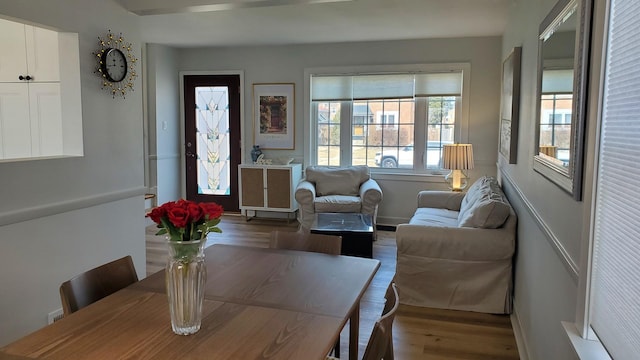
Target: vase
186,275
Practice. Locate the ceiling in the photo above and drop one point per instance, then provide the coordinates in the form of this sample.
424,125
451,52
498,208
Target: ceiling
276,22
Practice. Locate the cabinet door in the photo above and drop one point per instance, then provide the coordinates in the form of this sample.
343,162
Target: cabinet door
46,119
42,54
252,187
279,188
15,127
13,58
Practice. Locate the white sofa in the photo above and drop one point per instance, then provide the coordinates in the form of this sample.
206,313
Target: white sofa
337,189
456,251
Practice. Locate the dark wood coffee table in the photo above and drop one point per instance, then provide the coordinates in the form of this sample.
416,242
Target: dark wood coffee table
356,230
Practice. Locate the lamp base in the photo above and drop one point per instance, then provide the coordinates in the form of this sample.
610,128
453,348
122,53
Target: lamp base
457,180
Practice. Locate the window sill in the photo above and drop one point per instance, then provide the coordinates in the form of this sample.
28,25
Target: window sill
412,177
585,349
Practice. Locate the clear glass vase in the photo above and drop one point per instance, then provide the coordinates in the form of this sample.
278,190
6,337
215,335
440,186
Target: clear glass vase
186,275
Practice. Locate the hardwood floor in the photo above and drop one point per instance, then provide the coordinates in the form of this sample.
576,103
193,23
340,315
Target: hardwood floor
418,333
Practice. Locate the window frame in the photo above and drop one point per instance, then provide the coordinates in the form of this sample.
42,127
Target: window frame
420,127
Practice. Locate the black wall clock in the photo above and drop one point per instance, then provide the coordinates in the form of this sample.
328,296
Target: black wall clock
116,65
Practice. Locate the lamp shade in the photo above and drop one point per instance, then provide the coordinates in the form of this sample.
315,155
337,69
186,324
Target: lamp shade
457,157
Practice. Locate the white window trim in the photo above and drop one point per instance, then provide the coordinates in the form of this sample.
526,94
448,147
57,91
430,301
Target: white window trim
584,341
310,141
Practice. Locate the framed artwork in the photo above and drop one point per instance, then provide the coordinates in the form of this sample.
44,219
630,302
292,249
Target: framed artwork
510,106
273,116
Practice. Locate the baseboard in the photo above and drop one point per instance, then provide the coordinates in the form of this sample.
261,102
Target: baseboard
521,343
386,227
390,221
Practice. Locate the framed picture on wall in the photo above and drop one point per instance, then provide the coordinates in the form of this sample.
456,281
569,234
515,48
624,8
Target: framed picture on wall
510,106
274,116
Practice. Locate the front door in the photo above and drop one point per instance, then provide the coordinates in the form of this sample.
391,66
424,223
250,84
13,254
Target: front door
212,138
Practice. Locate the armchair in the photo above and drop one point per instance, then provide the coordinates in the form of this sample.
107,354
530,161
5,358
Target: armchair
337,189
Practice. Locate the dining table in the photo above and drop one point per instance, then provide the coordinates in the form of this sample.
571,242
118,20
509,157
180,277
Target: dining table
259,303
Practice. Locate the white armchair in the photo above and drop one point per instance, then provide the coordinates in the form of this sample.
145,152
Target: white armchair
337,189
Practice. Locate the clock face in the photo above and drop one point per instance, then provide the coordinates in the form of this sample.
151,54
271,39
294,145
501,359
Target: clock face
114,65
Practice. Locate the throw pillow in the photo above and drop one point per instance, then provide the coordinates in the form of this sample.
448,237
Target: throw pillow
488,209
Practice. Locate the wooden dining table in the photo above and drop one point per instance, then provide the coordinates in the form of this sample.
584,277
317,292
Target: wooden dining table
259,304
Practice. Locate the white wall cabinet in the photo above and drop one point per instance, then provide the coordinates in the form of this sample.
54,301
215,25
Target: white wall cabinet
269,187
28,51
30,98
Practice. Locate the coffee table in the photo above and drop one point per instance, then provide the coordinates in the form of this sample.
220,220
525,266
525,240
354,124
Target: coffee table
356,230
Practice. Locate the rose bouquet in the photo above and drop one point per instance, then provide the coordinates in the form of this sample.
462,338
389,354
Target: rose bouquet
186,225
185,220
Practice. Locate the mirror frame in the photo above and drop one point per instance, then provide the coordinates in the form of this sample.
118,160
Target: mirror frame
568,178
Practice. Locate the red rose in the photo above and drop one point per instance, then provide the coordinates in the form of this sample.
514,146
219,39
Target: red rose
182,203
211,210
178,216
195,212
157,214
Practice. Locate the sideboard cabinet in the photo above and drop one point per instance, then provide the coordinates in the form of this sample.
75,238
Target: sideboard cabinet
268,187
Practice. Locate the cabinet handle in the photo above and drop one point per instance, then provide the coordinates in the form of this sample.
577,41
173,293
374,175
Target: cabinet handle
25,77
20,77
28,78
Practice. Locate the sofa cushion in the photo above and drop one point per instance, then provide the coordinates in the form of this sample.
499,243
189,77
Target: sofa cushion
435,217
337,203
484,206
337,180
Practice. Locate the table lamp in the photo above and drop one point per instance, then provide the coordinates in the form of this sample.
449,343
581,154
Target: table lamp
457,157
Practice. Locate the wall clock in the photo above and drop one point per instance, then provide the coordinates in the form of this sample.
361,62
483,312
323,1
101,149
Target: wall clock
116,64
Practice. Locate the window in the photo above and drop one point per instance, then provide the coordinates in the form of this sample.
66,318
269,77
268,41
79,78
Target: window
388,119
614,313
555,123
381,120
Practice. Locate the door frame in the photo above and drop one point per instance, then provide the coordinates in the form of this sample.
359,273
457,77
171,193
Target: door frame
183,165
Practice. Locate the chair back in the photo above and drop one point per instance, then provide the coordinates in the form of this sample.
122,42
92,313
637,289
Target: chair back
97,283
380,344
305,241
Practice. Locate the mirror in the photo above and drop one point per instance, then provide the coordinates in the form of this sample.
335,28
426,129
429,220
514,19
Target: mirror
563,54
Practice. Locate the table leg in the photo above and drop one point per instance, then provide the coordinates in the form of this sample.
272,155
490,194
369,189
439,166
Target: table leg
354,330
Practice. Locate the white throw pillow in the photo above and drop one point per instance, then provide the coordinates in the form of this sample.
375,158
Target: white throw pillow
487,207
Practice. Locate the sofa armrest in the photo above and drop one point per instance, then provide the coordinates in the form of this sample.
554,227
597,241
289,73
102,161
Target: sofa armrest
305,195
450,200
453,243
370,195
305,192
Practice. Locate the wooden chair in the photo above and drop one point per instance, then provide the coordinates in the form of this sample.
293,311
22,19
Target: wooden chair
97,283
305,241
380,345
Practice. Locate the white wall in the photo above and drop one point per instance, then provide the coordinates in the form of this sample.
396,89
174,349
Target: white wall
60,217
551,223
269,64
164,122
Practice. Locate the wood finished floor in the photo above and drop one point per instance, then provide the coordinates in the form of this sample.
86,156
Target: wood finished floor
418,333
